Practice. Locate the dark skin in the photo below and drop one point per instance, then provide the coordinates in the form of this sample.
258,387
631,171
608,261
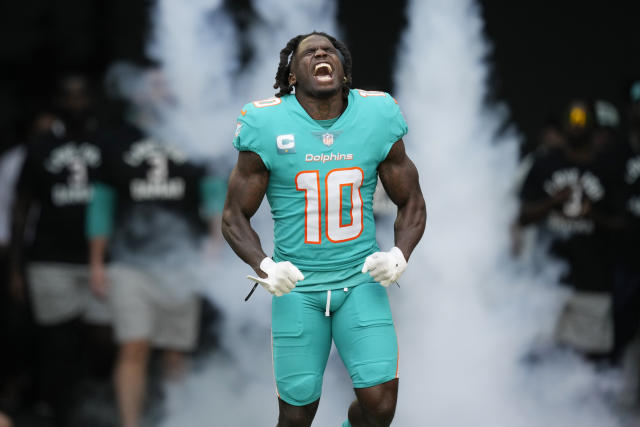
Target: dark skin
322,99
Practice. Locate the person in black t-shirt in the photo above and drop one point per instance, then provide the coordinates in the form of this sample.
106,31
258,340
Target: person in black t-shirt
150,212
626,279
55,178
567,193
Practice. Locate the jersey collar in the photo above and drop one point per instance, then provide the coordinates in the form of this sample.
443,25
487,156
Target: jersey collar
298,112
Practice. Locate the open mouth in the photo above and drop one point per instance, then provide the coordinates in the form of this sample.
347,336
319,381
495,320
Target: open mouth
323,72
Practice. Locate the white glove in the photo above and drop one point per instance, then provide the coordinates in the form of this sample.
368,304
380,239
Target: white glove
281,276
385,267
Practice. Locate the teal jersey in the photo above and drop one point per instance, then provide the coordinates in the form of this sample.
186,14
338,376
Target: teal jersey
321,181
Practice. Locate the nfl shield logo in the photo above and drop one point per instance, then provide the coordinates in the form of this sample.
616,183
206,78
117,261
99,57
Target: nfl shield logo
327,139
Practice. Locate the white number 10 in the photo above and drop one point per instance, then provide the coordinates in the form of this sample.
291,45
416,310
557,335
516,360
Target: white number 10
336,180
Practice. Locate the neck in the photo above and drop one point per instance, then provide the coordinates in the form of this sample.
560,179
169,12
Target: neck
322,108
580,154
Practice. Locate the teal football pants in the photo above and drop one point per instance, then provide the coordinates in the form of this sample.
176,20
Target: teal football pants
358,320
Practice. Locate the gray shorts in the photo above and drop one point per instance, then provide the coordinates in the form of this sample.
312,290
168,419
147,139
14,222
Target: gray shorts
61,292
586,322
143,310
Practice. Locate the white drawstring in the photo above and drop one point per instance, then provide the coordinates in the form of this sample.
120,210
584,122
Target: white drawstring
326,312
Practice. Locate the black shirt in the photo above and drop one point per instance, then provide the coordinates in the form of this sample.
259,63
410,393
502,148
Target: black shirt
627,242
576,236
158,198
56,172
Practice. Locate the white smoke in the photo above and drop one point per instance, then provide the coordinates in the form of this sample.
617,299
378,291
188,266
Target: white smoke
467,312
194,43
197,45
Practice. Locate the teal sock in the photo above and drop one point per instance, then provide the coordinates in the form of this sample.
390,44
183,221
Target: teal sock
346,424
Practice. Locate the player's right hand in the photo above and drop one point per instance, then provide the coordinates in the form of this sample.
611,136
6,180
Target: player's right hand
281,276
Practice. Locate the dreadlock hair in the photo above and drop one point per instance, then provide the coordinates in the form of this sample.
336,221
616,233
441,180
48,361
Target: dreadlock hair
286,56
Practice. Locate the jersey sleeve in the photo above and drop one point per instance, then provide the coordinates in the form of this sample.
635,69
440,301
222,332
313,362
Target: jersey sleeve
397,126
247,136
100,211
383,114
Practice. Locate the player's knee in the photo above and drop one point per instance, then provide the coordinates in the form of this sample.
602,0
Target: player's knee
378,403
300,389
381,413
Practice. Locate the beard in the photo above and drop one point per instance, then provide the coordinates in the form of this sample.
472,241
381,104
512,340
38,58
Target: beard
578,141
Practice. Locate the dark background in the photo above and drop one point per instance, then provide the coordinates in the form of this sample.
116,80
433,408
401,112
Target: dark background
544,53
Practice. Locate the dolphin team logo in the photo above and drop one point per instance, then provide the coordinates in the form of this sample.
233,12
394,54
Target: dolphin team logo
286,144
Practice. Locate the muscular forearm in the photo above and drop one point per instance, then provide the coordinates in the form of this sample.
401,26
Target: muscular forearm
243,239
410,223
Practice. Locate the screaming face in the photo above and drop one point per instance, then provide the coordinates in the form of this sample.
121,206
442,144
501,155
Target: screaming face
316,69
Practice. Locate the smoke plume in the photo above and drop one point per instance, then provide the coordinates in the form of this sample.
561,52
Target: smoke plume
469,314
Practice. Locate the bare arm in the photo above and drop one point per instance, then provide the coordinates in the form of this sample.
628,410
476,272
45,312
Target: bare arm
97,253
19,216
535,211
246,189
399,177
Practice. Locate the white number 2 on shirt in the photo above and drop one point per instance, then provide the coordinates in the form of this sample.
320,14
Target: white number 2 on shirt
336,229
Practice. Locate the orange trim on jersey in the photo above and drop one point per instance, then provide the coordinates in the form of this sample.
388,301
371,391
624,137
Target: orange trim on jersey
326,206
273,367
306,203
341,204
365,93
269,102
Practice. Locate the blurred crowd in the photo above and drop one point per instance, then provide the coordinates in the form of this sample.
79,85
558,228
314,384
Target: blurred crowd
580,201
102,222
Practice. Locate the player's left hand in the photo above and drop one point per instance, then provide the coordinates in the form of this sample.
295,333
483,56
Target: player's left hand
385,267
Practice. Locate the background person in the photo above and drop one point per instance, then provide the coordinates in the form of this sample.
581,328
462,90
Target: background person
55,179
151,210
568,194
